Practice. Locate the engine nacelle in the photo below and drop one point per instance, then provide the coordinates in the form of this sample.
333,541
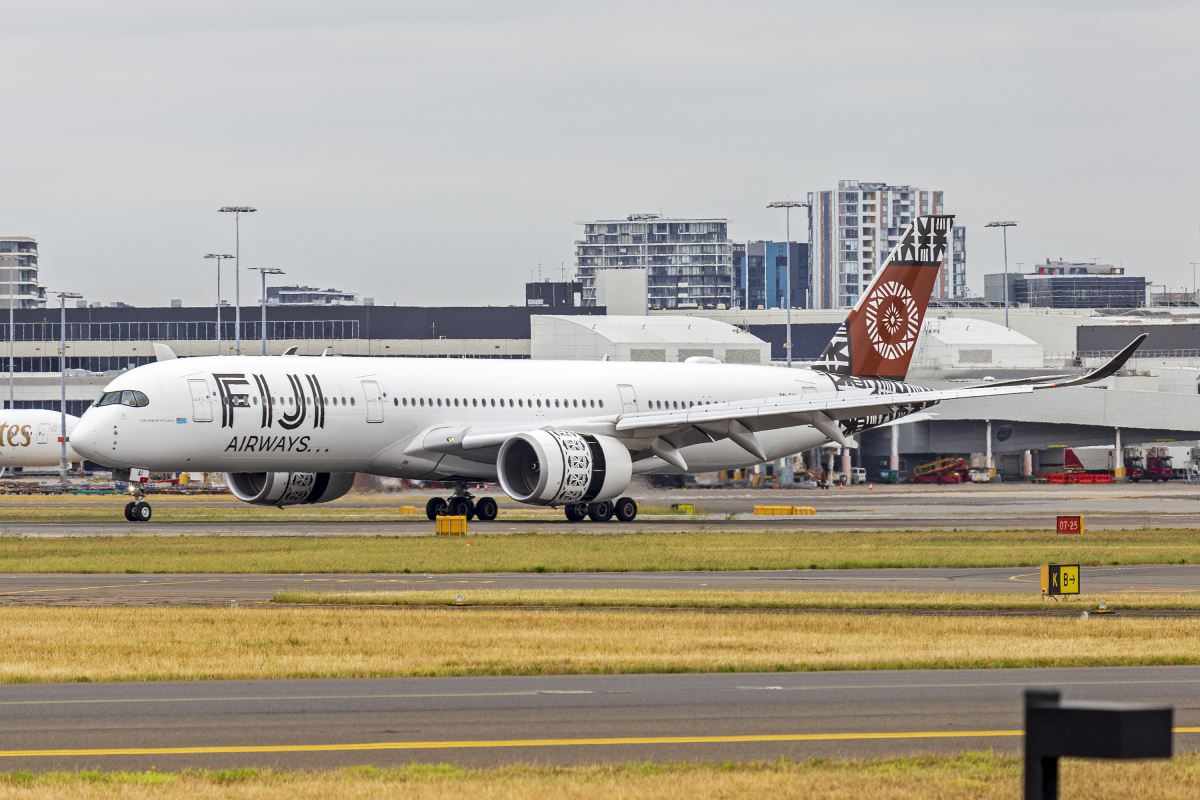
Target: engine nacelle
549,468
288,488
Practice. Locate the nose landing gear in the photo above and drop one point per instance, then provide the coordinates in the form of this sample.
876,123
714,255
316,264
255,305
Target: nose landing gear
137,510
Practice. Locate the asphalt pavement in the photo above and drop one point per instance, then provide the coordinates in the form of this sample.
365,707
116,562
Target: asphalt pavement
206,590
971,507
565,719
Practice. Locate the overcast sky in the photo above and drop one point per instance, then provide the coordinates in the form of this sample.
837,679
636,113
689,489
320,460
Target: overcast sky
437,152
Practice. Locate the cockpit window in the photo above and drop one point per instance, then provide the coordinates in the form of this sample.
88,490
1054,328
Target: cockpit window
133,399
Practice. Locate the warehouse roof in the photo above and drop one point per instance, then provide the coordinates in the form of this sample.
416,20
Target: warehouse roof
663,329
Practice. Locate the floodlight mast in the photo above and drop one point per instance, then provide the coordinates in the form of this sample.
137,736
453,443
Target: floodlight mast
1004,225
237,212
219,257
62,380
264,272
787,206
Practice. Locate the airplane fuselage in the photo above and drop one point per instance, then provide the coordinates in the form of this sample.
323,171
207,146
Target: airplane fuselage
30,438
385,415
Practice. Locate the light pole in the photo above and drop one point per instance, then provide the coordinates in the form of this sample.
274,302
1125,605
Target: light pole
1194,265
12,300
237,212
1004,225
787,206
62,361
264,272
219,257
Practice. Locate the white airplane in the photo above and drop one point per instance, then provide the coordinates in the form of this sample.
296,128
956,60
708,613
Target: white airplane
31,437
289,430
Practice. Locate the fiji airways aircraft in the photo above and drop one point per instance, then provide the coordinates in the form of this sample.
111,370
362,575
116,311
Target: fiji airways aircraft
289,430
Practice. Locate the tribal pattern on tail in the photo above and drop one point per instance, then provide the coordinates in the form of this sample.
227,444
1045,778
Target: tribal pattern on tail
894,411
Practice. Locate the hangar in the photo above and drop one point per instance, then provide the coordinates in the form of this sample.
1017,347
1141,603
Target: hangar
633,338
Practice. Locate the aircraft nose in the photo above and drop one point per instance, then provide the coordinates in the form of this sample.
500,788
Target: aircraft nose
85,437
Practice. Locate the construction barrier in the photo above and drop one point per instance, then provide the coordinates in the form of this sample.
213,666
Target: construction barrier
450,526
784,511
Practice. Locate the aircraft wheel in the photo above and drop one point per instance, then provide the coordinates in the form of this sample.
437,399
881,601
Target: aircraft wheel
129,511
142,512
460,507
486,509
600,512
575,511
626,509
436,507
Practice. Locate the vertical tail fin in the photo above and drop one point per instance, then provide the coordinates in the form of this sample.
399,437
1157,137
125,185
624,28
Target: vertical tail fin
878,336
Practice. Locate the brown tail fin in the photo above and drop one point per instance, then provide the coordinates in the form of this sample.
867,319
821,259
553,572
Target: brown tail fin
879,334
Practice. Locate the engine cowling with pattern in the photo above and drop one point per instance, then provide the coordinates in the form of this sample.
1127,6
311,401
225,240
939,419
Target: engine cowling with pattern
288,488
550,468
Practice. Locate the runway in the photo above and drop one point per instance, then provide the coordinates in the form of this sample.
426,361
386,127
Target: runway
970,507
44,589
570,719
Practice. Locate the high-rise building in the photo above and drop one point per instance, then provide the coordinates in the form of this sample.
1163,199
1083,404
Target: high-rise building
19,286
760,275
688,262
855,226
1059,283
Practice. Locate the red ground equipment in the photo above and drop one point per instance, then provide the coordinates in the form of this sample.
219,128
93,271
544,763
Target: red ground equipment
943,470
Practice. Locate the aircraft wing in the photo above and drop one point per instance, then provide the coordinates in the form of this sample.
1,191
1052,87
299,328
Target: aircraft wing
741,419
1058,381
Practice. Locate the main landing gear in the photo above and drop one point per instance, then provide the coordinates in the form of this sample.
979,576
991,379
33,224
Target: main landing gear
462,504
623,509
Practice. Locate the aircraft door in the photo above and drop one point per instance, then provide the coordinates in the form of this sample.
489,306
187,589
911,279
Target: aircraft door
43,433
628,398
374,401
202,410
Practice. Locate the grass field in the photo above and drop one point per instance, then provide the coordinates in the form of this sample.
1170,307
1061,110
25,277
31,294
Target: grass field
105,644
781,600
706,550
977,776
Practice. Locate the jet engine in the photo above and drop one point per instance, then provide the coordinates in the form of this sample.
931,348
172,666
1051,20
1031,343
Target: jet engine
550,468
288,488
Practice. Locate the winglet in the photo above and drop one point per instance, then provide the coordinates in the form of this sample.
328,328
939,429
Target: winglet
1110,368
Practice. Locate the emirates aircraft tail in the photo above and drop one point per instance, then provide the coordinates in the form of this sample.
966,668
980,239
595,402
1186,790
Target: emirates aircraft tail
880,332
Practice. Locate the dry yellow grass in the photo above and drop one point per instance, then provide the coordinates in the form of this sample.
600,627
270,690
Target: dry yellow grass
980,776
72,644
717,599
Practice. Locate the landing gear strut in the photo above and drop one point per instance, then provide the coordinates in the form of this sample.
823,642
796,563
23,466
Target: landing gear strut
462,504
138,510
624,509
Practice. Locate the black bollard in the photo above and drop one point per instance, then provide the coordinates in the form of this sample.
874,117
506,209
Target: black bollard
1055,730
